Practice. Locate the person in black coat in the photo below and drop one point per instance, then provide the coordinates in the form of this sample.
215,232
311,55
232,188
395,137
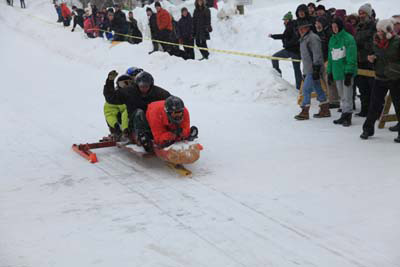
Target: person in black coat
78,17
119,24
153,27
202,26
291,47
185,32
133,30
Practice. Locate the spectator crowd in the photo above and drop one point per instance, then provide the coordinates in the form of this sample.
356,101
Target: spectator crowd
112,24
341,53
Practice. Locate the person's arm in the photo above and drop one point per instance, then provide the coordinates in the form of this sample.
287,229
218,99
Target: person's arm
111,95
185,125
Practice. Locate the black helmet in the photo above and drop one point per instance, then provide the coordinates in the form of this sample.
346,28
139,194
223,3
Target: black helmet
174,108
144,78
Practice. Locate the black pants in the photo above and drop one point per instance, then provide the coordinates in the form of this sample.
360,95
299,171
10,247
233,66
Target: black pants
189,51
203,44
155,44
23,4
78,21
377,103
365,85
67,21
164,36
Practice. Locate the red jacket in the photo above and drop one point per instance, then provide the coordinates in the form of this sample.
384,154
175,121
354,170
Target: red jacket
90,27
65,12
164,20
160,126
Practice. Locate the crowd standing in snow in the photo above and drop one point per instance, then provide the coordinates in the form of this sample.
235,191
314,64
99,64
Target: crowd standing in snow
112,24
333,46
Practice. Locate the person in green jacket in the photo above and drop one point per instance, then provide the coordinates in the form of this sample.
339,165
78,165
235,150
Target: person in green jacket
342,68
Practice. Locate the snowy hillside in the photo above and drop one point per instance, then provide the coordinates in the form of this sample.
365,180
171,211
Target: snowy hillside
267,190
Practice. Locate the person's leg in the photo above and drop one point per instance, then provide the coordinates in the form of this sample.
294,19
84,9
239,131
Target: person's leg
308,87
296,68
378,94
364,86
334,97
275,63
202,44
395,94
321,96
347,98
189,51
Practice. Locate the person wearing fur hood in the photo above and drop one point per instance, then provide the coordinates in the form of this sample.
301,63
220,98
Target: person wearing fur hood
386,59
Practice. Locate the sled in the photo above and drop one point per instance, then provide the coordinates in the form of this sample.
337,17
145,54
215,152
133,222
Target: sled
175,156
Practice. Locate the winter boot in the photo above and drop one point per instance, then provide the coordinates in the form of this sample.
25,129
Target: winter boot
304,114
340,120
347,119
395,128
125,138
324,111
368,131
145,141
397,140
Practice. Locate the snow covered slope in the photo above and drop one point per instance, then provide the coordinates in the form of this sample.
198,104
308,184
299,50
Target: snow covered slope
267,191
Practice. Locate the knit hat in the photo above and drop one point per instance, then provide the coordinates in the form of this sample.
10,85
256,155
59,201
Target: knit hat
149,9
157,4
339,22
321,7
311,4
386,25
288,16
367,8
323,20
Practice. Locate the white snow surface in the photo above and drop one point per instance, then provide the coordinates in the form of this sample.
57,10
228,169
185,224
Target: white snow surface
267,190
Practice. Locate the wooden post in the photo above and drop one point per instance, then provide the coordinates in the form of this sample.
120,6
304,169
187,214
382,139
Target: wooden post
386,117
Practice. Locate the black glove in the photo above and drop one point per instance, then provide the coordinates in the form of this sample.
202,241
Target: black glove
72,30
347,79
112,75
316,75
194,133
330,78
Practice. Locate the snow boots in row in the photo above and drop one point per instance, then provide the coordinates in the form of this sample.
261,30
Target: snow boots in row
324,112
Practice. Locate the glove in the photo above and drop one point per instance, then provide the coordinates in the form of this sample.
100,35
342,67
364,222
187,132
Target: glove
194,133
330,78
347,80
112,75
209,29
72,30
316,75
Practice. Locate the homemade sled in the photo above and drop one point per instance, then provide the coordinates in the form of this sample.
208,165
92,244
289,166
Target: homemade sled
175,156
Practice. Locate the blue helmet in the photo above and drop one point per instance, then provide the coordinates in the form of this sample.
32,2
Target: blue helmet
133,71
